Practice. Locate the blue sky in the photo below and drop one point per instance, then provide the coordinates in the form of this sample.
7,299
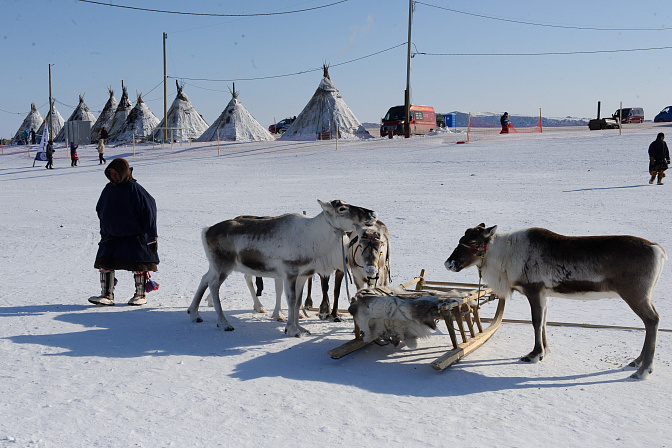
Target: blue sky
93,46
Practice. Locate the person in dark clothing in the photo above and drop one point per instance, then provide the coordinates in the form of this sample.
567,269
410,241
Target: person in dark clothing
504,120
128,234
73,154
103,134
32,136
659,158
50,155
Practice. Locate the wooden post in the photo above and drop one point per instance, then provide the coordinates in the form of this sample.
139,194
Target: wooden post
541,129
469,126
133,145
620,119
217,142
336,130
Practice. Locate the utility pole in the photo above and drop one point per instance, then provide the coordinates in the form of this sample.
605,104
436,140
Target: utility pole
165,92
407,95
51,110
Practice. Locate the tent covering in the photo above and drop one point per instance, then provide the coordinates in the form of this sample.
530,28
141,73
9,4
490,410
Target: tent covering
31,122
106,117
57,125
325,112
139,124
120,115
81,113
184,123
236,124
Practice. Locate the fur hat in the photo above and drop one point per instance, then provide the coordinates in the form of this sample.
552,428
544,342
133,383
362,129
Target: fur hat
120,166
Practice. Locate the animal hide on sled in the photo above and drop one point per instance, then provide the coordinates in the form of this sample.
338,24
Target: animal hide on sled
385,314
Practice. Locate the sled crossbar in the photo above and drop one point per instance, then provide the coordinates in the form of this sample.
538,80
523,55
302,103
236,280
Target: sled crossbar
459,308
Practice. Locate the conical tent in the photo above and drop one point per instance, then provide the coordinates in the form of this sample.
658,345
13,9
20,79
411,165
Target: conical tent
30,123
56,125
325,113
105,118
139,124
237,124
184,123
124,108
81,113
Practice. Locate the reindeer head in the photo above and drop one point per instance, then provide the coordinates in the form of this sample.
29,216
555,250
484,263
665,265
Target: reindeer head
471,248
345,217
367,252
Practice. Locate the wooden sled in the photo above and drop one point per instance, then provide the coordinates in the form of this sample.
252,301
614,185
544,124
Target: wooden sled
459,310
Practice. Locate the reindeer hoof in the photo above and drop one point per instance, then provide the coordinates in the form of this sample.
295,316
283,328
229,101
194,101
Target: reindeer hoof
199,320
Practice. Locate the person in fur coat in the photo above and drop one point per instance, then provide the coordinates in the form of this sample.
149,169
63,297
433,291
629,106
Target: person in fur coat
128,233
659,158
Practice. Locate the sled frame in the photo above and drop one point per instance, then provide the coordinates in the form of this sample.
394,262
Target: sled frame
460,314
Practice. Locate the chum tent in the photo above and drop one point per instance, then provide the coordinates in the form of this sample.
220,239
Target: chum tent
57,124
184,123
139,124
124,109
106,117
325,113
236,123
30,123
81,113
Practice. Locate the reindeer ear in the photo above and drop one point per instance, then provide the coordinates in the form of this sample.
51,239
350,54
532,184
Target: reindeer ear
489,232
326,206
482,225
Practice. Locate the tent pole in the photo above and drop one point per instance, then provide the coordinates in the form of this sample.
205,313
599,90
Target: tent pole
51,106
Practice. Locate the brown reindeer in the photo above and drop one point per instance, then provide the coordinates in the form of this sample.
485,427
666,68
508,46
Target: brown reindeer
539,263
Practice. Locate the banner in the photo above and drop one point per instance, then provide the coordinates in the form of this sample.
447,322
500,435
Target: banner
45,138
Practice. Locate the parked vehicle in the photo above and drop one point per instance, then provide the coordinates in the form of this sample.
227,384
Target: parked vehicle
630,114
423,121
281,126
664,115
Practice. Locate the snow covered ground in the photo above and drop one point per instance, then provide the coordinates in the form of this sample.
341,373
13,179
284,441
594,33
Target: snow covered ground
75,375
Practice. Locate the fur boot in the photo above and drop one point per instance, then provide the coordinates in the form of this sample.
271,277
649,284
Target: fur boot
140,283
106,297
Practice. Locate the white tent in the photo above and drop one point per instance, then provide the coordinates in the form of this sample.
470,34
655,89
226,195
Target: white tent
105,118
184,123
81,113
325,113
120,115
30,123
237,124
139,124
57,124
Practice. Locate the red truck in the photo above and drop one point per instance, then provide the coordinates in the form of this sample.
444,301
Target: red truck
423,121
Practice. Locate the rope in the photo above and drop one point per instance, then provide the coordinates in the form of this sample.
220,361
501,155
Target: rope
573,324
345,269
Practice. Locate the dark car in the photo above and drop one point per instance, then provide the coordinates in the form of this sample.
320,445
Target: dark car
664,115
281,126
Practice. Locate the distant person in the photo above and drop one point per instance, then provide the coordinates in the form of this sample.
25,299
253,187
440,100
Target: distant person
101,150
26,136
50,155
659,158
103,134
73,154
32,136
128,234
504,120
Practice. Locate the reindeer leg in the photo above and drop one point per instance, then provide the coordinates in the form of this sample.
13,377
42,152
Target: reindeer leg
214,286
538,305
338,281
325,306
647,312
258,307
193,308
277,312
294,285
309,299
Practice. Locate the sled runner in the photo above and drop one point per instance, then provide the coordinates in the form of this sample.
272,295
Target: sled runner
456,304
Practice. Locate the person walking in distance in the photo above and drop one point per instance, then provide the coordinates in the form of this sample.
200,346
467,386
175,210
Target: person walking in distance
659,158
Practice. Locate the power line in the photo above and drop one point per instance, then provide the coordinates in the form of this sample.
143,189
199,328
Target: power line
523,22
163,11
546,53
287,74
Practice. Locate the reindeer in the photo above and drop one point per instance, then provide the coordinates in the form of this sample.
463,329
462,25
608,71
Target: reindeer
539,263
291,247
368,259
